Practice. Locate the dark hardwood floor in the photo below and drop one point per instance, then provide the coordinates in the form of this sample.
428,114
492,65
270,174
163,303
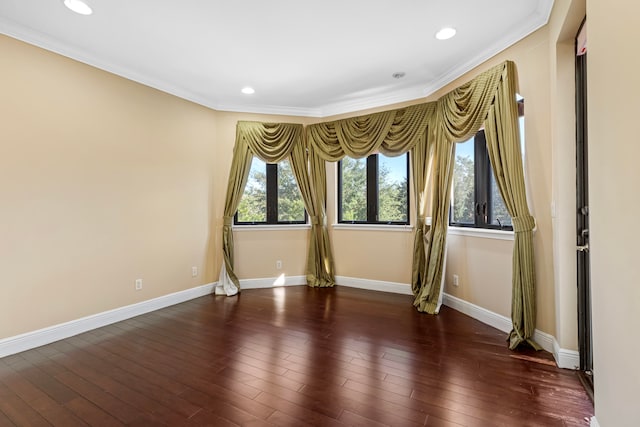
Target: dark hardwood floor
290,357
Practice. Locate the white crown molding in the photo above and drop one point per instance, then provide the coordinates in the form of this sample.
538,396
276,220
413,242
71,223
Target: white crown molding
29,340
268,109
415,92
509,39
543,12
39,39
387,98
42,40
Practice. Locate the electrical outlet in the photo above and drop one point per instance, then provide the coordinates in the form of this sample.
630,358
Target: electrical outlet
455,280
278,265
138,284
194,271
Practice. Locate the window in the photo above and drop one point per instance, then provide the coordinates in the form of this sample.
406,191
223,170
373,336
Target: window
271,196
475,197
374,190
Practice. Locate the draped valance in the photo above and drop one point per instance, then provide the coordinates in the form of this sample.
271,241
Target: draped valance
391,132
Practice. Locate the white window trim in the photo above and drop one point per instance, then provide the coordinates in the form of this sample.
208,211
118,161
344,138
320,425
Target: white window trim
483,233
373,227
270,227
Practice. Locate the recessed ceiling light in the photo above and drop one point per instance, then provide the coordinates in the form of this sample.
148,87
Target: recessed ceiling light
248,90
78,6
446,33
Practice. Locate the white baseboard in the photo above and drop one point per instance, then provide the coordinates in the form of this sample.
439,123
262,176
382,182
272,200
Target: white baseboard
594,422
564,358
567,359
272,282
374,285
29,340
487,317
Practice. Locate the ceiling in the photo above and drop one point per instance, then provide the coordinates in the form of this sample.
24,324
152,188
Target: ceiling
303,57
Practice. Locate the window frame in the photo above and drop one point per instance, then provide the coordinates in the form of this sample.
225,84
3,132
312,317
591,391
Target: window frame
271,172
483,172
372,193
482,208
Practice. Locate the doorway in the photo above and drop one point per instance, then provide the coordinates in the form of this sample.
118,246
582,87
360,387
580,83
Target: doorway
582,215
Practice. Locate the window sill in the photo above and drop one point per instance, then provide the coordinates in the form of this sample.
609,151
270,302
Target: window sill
373,227
271,227
484,233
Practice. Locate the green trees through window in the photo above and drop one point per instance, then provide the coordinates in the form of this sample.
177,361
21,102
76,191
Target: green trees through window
463,200
253,204
271,196
373,190
290,203
354,189
475,198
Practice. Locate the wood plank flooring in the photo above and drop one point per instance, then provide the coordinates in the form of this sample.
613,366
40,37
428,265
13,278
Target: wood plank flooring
290,357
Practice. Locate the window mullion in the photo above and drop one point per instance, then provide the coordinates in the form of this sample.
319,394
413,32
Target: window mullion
481,179
408,202
372,188
339,166
272,193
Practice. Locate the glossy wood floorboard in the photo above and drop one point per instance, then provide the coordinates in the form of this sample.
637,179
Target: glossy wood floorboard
290,357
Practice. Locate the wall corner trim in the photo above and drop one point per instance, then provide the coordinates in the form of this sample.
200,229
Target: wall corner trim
29,340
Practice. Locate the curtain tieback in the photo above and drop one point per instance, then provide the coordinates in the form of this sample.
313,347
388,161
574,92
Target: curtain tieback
227,220
315,220
523,223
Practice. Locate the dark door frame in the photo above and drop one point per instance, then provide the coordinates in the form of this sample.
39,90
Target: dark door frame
582,223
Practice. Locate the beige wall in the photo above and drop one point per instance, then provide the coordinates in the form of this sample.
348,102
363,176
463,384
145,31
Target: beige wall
563,27
614,177
102,181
